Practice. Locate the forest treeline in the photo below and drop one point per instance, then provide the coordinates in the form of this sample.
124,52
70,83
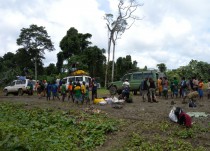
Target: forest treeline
77,51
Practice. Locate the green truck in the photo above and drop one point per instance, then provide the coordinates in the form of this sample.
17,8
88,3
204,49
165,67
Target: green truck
135,79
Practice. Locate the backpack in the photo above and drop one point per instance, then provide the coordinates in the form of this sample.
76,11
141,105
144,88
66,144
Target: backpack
184,84
42,86
126,89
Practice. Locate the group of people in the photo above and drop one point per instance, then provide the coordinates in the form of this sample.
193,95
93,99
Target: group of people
45,89
182,88
75,91
148,89
191,87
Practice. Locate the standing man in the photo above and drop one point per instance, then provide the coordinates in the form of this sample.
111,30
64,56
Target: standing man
176,84
184,89
55,90
94,89
152,87
160,86
83,90
165,87
45,87
30,87
126,89
70,90
145,89
49,90
208,89
200,88
195,84
78,93
63,90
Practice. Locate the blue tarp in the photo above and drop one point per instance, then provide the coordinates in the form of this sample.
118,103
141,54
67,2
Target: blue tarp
21,77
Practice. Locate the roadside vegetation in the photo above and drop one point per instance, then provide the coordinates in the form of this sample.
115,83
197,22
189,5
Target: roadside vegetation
47,129
165,137
27,127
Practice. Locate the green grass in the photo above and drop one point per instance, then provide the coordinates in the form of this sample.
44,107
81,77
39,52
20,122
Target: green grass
47,129
137,142
103,92
165,136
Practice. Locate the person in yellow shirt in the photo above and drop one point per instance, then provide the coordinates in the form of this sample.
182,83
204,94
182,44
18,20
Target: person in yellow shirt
83,89
200,88
160,86
77,93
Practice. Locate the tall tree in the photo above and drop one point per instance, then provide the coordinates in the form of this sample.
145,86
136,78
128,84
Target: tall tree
74,43
8,68
95,60
161,67
77,62
116,27
124,65
195,68
24,59
145,68
35,40
60,59
51,69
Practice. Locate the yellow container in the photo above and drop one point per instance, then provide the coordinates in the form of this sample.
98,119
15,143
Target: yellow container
97,100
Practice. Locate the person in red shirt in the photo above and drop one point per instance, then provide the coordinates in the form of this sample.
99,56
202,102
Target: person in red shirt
183,118
71,91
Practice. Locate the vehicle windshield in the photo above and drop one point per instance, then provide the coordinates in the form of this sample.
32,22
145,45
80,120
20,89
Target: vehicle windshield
137,76
79,79
64,80
72,79
148,75
127,76
23,81
13,83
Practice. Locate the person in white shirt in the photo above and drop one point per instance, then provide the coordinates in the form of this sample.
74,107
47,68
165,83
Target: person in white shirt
126,83
126,88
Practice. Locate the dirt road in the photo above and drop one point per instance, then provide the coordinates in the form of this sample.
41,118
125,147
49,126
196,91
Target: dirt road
139,116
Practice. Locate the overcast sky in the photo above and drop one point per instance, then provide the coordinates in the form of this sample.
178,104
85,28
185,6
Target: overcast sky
171,31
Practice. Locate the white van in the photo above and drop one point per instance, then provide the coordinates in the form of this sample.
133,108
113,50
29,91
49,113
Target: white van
80,78
18,87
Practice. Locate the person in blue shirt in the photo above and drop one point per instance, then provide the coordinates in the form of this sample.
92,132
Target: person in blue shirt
49,90
55,90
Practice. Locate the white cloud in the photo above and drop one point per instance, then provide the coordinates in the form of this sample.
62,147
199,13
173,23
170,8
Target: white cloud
171,32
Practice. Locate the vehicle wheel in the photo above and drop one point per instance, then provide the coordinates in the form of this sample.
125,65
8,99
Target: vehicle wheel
20,92
5,92
113,90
